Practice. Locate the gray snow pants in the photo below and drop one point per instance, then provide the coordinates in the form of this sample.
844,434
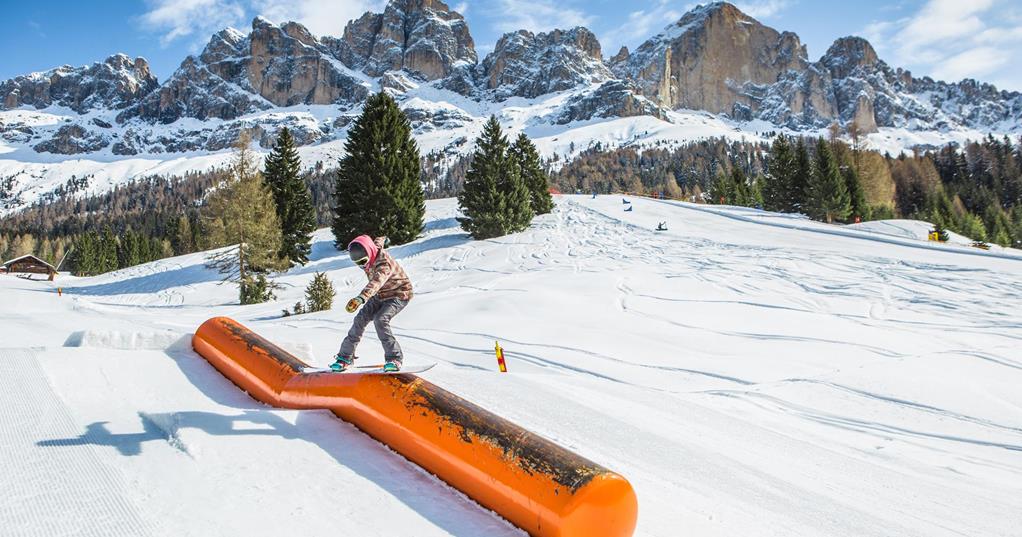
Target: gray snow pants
380,312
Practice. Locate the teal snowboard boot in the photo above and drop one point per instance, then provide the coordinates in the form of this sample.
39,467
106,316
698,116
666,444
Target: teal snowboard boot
342,363
392,366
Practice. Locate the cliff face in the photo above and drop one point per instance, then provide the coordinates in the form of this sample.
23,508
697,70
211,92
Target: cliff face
237,74
528,65
703,61
420,36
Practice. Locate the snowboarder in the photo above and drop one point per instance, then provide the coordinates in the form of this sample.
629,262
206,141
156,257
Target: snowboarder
386,294
662,226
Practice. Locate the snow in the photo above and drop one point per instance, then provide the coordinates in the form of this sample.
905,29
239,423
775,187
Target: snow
750,373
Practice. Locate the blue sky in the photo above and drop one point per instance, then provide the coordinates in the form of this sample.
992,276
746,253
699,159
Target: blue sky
946,39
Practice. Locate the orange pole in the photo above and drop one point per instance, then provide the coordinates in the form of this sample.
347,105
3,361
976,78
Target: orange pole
537,485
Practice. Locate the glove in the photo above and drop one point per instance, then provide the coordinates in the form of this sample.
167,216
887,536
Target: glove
353,304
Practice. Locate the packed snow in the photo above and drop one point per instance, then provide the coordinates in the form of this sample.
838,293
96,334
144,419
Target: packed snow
750,374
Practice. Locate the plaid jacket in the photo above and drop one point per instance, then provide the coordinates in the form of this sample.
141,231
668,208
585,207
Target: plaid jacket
386,278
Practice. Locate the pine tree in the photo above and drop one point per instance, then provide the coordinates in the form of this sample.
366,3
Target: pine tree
85,254
378,189
798,199
524,153
254,289
517,197
130,250
494,200
294,203
941,211
972,226
740,188
1016,218
319,295
998,226
828,196
183,239
241,214
756,192
856,196
722,190
777,190
107,251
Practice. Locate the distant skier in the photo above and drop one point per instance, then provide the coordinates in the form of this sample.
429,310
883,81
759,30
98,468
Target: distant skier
386,294
662,226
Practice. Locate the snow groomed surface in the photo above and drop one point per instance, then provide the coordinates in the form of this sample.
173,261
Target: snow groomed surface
539,486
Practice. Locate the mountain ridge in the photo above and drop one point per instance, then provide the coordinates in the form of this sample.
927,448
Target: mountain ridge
715,59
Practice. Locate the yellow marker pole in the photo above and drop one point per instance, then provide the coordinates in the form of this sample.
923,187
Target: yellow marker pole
500,357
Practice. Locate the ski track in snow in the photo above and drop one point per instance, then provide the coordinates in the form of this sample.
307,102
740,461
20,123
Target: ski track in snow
49,490
750,373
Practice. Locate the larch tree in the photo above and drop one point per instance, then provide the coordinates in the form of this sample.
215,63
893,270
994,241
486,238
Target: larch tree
241,219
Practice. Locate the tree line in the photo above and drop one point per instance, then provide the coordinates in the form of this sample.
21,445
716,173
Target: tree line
972,189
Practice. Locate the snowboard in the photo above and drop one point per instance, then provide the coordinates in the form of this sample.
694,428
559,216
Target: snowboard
370,370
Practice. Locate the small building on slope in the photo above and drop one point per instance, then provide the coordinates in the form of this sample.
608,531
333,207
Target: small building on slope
29,264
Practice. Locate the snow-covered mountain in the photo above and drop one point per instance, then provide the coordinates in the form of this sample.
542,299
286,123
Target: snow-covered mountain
716,69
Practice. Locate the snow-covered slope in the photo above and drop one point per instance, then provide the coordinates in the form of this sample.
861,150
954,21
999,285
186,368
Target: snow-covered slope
749,373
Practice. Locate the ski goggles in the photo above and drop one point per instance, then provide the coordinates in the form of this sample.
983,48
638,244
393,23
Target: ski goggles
362,261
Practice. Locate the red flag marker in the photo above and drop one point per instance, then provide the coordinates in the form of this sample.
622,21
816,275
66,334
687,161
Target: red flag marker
500,357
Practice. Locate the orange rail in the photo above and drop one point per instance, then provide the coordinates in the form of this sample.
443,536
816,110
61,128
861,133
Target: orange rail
539,486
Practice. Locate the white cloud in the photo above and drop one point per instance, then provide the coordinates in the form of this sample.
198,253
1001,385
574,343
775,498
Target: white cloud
976,62
197,19
321,17
640,25
955,39
185,18
763,9
461,8
537,16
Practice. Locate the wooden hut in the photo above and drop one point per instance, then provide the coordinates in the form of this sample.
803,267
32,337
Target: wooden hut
30,264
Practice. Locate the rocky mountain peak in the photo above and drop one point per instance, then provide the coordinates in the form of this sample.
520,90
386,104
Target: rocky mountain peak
116,82
715,58
702,61
275,65
525,64
424,37
848,54
620,57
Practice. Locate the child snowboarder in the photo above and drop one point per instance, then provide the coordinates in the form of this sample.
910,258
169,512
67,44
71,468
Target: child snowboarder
386,294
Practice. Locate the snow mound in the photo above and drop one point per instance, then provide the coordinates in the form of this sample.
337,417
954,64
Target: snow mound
128,341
